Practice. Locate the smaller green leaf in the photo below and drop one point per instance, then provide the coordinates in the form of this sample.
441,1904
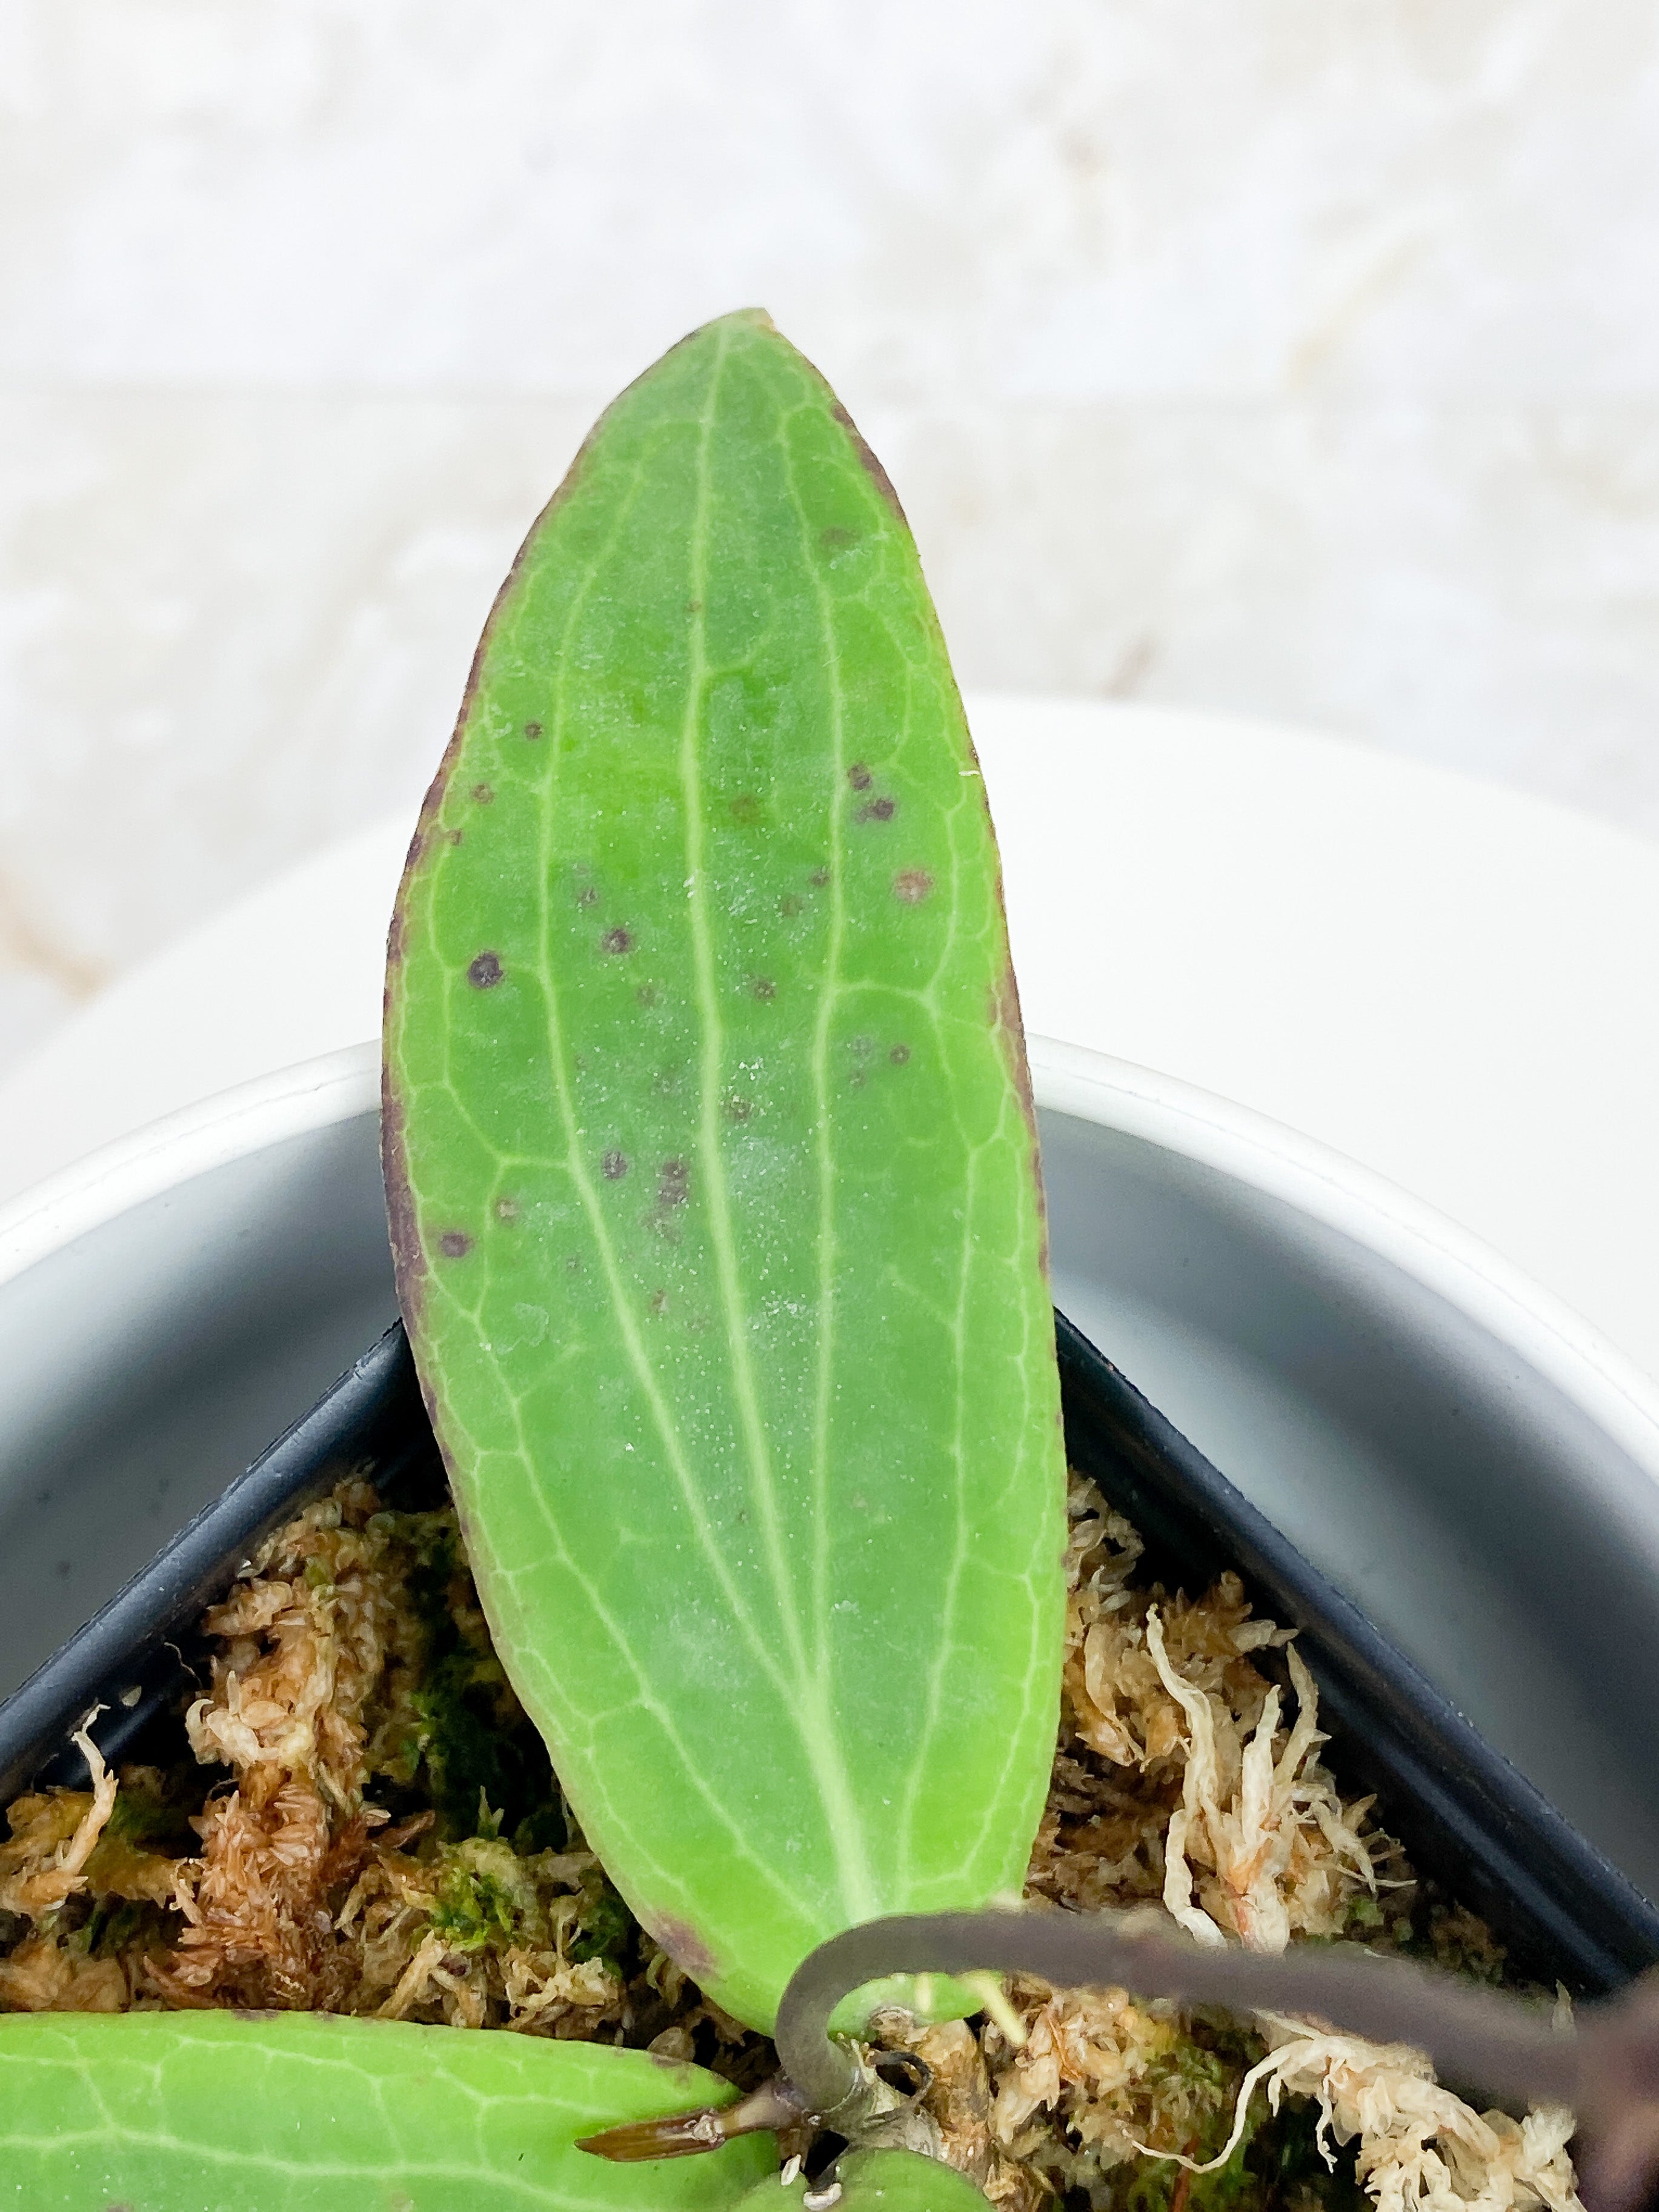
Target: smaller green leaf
214,2111
876,2181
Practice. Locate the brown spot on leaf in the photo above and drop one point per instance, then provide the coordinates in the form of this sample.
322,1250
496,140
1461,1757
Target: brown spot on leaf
873,468
454,1243
658,1302
835,536
789,905
455,835
1010,1035
484,795
818,878
912,885
738,1109
859,776
614,1166
694,606
899,1054
647,994
394,937
408,1253
617,940
587,896
507,1209
485,972
684,1946
416,846
532,730
878,810
745,808
763,988
673,1184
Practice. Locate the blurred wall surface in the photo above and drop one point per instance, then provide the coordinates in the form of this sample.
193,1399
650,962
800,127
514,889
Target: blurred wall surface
1297,357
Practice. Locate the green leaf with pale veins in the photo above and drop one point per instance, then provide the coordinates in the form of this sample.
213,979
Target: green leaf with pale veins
713,1186
213,2111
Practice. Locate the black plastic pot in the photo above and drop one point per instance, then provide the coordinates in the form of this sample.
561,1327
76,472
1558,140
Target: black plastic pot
1468,1819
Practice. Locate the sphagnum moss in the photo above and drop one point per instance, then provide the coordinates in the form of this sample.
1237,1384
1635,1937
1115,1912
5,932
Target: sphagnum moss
497,1916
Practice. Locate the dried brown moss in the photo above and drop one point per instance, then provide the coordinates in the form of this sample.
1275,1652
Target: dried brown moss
1179,1779
361,1820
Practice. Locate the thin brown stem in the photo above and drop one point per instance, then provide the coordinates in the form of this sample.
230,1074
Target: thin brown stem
1607,2070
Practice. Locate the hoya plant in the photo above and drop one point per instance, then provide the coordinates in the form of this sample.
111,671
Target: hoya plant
712,1181
714,1198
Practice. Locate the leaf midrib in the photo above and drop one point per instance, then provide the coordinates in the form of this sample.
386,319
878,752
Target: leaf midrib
814,1719
804,1697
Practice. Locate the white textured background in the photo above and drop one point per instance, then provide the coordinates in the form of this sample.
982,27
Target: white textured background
1294,356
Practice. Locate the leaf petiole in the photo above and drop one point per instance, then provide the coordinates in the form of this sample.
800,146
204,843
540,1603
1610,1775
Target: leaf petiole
1470,2034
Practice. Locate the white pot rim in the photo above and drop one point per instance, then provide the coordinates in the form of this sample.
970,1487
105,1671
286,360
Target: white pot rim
1330,1188
230,1125
1246,1146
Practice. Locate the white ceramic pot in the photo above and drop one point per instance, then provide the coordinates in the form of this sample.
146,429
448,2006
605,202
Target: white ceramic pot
1455,1450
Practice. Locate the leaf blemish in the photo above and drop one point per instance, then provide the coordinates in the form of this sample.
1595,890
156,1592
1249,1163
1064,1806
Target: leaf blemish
484,795
836,535
507,1209
455,835
899,1054
587,896
789,906
763,988
738,1109
647,994
532,730
614,1166
872,467
454,1243
673,1184
912,885
619,940
878,810
685,1947
859,776
485,972
818,878
658,1302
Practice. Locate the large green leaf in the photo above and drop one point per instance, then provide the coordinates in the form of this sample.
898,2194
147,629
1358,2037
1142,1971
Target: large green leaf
713,1186
213,2111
